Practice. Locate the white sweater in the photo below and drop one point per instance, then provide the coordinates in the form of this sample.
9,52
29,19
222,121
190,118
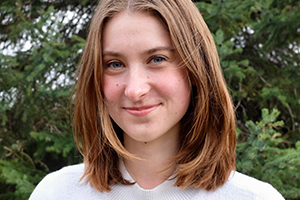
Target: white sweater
64,185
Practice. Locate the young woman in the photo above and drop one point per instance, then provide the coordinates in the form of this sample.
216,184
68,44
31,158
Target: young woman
153,117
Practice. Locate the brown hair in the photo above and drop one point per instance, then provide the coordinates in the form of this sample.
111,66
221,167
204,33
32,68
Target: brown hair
207,145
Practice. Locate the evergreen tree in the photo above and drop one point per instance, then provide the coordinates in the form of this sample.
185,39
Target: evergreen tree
41,43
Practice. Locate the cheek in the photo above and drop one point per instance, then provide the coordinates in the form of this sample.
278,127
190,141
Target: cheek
175,84
111,89
183,92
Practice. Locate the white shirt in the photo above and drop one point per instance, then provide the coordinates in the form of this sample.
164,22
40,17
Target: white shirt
65,184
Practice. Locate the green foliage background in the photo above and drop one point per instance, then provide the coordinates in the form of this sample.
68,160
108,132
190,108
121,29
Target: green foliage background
258,44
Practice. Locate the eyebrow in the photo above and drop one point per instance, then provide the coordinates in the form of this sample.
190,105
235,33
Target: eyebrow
111,53
147,52
162,48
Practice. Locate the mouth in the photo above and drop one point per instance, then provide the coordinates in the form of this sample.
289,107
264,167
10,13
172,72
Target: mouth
142,110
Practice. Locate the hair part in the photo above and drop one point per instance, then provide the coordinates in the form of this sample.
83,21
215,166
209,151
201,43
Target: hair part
207,136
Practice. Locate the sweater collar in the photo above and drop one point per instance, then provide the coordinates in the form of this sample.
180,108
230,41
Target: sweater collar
162,191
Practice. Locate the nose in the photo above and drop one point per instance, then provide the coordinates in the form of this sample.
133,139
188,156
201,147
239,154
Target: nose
137,85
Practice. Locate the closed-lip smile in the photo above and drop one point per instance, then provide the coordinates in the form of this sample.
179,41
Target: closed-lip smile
140,111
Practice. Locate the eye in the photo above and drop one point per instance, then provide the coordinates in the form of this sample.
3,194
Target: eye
158,59
114,65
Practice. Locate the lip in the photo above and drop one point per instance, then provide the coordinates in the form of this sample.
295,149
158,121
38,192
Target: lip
141,111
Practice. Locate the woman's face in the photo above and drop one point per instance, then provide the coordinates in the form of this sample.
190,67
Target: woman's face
146,91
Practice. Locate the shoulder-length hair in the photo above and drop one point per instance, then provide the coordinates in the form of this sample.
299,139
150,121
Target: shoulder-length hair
207,136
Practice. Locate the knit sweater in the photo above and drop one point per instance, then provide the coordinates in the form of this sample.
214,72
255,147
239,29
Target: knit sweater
65,184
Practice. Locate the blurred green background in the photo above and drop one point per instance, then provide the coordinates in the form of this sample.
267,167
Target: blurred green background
41,42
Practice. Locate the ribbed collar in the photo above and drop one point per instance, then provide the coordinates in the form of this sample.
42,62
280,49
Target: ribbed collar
166,190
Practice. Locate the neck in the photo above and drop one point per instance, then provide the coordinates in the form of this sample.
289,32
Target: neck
155,164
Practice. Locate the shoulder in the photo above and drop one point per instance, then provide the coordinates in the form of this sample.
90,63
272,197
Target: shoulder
67,173
65,183
250,187
240,186
63,177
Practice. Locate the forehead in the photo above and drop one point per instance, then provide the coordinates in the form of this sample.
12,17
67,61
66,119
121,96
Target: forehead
129,28
136,18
